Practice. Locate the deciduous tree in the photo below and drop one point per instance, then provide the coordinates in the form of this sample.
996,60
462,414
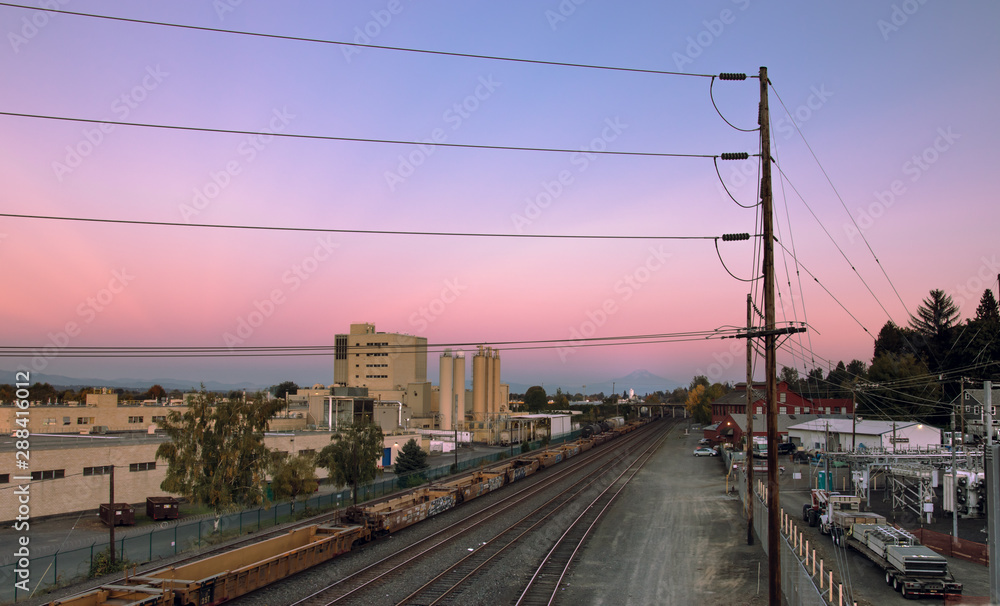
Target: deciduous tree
293,477
352,458
216,454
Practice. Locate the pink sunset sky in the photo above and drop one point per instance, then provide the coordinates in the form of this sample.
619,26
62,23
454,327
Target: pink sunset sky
896,100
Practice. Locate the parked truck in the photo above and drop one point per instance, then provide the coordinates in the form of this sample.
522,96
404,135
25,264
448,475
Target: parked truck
824,504
910,568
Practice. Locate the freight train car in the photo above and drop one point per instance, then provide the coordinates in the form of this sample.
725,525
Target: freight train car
478,484
400,512
226,576
217,579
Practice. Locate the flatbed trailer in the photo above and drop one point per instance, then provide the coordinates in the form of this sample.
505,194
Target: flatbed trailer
910,568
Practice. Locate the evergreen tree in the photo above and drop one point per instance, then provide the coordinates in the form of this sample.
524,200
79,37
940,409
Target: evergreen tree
410,462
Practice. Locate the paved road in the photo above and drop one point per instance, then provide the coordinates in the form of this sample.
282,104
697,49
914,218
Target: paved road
674,538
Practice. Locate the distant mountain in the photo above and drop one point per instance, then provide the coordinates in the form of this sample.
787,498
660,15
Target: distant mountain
642,381
7,377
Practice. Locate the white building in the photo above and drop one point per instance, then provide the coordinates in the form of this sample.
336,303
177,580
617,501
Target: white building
844,434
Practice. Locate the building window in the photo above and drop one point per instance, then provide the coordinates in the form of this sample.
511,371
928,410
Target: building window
782,410
4,478
97,471
65,420
157,419
135,419
51,474
142,466
309,452
760,410
84,420
50,421
782,396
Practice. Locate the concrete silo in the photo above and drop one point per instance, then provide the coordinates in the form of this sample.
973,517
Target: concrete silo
446,389
480,385
458,388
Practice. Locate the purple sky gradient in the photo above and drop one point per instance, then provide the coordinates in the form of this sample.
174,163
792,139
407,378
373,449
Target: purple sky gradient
896,99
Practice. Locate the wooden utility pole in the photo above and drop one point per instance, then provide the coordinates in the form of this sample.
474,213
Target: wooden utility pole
749,433
770,365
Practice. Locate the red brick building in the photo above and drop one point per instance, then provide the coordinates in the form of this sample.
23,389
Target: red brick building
734,403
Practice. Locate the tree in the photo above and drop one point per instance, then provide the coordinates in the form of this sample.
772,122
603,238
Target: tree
216,454
790,375
934,329
282,389
155,393
410,462
294,476
988,311
535,398
905,389
699,401
891,339
352,458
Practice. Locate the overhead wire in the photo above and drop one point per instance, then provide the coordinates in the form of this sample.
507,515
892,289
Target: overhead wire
842,203
220,30
352,231
444,144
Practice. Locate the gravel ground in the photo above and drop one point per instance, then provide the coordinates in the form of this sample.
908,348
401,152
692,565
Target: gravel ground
501,584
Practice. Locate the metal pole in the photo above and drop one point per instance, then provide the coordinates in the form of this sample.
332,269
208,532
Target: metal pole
773,500
111,516
954,481
993,486
749,434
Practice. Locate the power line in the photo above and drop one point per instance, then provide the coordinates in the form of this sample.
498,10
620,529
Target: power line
203,129
220,30
328,350
354,231
839,197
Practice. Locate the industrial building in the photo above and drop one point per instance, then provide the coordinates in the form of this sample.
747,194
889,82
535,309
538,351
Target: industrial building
832,434
71,473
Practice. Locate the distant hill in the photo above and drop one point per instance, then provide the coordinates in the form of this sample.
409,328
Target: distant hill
642,381
7,376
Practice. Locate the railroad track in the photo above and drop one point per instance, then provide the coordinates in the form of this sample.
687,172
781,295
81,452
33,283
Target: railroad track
545,583
445,585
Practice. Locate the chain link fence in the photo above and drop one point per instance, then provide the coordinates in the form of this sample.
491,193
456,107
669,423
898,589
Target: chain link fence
64,567
798,585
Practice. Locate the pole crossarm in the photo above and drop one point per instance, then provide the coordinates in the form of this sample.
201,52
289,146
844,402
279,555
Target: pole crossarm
756,334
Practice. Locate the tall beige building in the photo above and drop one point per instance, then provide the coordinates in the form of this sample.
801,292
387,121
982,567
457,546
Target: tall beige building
380,361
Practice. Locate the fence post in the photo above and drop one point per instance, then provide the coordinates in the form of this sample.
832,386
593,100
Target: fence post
831,585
